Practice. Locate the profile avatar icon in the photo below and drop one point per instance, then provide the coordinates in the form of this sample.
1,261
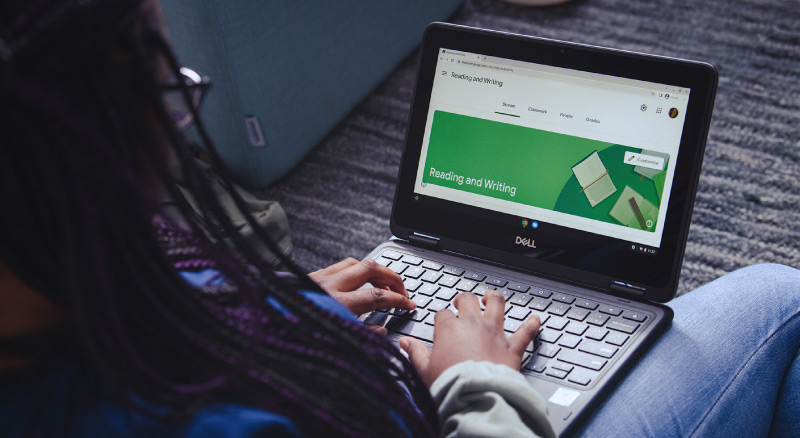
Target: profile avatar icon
673,112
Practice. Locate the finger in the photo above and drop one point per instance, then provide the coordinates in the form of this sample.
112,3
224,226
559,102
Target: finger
524,335
377,329
441,317
418,353
367,300
332,269
495,306
366,271
467,304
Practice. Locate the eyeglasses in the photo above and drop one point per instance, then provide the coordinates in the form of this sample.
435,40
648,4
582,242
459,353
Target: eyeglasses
174,101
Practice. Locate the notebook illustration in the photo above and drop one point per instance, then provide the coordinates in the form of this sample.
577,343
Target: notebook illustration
633,210
540,169
593,177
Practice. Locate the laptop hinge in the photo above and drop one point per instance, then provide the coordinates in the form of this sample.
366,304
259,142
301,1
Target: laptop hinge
423,241
627,290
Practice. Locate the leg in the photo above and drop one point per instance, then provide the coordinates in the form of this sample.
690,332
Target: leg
726,367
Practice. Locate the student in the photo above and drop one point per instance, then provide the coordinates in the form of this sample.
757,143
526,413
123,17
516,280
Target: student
100,335
103,334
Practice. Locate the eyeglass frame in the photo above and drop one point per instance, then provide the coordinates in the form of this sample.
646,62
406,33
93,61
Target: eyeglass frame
197,85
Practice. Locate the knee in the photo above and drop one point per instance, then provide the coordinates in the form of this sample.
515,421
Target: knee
765,281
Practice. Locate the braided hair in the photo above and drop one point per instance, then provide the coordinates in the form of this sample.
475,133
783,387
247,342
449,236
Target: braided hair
85,147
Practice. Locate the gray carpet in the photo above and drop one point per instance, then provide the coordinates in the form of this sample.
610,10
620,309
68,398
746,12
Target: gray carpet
748,205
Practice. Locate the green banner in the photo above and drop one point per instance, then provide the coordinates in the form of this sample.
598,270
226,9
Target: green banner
539,168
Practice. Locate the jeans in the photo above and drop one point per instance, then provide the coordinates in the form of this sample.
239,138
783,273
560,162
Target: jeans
728,366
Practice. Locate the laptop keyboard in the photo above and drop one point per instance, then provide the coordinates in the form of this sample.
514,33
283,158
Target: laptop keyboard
579,337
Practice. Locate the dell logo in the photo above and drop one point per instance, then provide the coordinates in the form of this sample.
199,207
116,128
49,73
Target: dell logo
525,242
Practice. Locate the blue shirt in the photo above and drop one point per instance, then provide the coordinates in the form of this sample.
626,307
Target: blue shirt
55,399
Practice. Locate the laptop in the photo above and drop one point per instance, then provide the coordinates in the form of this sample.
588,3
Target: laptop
562,175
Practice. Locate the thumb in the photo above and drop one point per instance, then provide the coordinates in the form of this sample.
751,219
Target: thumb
417,352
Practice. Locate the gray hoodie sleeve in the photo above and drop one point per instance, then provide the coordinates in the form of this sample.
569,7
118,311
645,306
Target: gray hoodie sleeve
483,399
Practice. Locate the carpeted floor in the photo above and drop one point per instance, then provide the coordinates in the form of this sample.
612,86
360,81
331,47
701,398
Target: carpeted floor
748,204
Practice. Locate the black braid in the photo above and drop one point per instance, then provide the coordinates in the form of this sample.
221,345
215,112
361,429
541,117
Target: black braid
86,215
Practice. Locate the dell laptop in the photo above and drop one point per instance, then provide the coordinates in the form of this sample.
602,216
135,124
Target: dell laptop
562,175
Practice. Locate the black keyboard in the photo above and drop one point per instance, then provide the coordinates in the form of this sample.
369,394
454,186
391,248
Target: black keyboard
579,336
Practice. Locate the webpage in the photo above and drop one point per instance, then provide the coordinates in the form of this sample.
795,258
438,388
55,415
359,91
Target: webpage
587,151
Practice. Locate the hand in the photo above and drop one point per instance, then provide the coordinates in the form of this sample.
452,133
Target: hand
343,281
470,336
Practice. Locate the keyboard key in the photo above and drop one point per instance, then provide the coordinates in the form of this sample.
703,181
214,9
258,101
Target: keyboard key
446,293
548,350
586,304
419,315
474,276
519,287
428,289
401,312
558,374
542,293
579,379
437,305
549,336
383,261
507,294
497,282
481,290
466,285
398,267
563,298
562,366
617,338
538,303
390,254
520,313
597,319
427,264
557,323
611,310
377,318
578,314
448,281
634,316
432,276
421,301
413,272
452,270
582,359
569,341
521,299
622,325
411,284
543,317
415,329
596,333
577,328
537,365
412,260
598,349
511,325
559,309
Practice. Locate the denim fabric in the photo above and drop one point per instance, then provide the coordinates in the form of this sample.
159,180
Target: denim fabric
728,365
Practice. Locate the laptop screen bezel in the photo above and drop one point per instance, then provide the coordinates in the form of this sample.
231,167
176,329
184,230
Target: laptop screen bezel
579,257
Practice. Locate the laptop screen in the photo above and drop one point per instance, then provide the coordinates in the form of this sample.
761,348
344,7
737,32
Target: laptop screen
564,160
587,151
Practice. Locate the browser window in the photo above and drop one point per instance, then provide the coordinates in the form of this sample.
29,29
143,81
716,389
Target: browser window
592,152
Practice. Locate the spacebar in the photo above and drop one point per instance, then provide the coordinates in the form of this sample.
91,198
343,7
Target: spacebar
418,330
